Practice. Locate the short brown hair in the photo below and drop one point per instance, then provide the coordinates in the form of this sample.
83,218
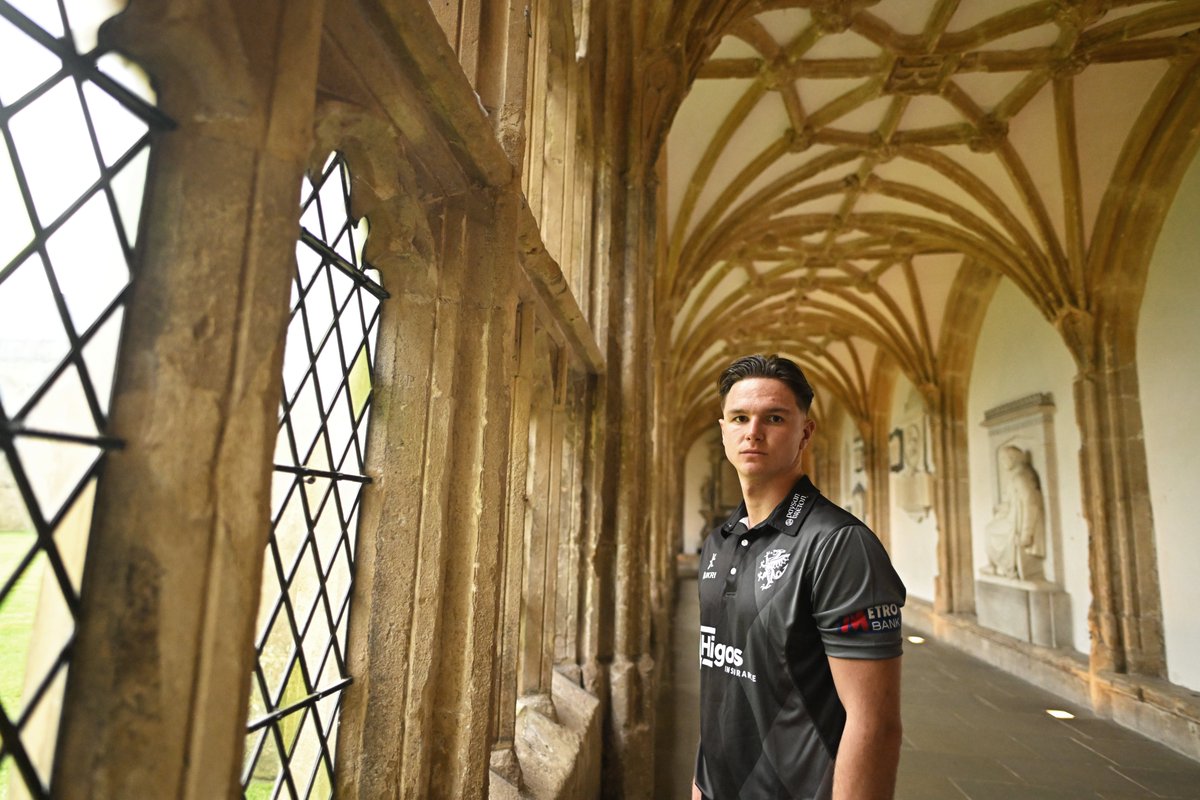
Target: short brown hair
772,366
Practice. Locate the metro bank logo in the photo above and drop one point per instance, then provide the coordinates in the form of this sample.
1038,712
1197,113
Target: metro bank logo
875,619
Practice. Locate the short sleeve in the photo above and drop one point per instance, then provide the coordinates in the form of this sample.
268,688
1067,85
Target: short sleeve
856,596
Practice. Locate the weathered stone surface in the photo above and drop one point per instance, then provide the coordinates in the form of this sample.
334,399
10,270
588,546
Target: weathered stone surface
561,759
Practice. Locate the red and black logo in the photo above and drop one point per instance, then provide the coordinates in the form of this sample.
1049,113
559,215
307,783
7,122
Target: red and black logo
875,619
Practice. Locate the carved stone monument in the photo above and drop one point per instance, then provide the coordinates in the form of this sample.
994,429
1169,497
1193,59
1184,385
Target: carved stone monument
1015,592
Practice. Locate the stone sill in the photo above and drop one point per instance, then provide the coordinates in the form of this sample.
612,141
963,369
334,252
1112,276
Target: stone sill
558,741
1153,707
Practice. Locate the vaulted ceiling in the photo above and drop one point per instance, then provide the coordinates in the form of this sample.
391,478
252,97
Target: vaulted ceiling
835,166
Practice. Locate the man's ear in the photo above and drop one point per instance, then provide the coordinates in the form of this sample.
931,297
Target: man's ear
810,425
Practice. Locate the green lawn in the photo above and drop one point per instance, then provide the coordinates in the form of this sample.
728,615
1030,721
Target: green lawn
16,624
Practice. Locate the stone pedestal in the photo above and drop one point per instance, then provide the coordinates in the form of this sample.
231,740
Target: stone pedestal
1033,611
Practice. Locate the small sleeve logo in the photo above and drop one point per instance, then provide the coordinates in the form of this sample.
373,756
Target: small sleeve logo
875,619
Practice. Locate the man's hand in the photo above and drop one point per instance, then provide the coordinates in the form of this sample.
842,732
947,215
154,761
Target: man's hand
696,792
870,749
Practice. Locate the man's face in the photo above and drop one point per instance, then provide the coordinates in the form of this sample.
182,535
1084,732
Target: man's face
763,429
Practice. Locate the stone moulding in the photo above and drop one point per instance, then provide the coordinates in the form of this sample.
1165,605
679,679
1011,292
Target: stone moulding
1021,407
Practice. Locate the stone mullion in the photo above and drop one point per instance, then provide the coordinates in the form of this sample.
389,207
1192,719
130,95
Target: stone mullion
554,528
459,737
503,758
570,574
533,620
159,685
433,517
381,623
536,109
501,79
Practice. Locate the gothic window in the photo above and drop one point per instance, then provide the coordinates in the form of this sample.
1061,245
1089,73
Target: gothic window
300,636
75,121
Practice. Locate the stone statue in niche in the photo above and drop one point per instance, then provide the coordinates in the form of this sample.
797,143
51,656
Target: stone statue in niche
1016,536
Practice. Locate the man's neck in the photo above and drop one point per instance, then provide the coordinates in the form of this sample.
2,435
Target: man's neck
761,499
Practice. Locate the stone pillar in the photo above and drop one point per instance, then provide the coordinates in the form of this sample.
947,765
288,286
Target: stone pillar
158,691
504,759
541,534
570,573
973,288
1125,619
418,720
954,587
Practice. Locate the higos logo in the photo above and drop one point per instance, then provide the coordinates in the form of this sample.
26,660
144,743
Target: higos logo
709,572
721,656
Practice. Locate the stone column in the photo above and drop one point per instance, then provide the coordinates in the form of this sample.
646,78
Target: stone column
158,691
541,536
570,573
954,586
1125,618
418,720
504,759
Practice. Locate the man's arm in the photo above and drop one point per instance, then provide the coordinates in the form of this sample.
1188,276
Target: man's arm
870,749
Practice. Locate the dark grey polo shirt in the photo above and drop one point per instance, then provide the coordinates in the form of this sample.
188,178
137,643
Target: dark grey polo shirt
809,582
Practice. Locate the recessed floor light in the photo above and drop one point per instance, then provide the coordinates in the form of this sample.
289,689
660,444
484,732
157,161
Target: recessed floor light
917,639
1057,714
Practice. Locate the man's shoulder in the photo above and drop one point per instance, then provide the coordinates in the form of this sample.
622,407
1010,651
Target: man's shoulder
827,518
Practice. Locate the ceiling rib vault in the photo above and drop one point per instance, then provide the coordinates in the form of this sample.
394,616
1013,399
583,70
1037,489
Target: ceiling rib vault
836,166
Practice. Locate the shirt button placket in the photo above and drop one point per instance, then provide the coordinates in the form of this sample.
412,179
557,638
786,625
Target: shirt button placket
739,555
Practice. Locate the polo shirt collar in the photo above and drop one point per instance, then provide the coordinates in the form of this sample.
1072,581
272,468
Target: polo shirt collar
788,516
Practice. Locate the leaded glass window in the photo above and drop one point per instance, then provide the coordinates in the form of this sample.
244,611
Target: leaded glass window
319,476
75,122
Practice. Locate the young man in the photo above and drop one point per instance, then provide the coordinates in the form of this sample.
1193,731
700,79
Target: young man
799,618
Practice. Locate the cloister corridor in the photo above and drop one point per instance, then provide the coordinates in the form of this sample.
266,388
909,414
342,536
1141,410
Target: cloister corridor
359,360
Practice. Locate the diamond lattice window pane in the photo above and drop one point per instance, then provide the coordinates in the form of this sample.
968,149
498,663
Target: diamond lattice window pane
44,15
117,131
37,63
55,470
58,167
88,261
319,476
100,357
32,335
127,190
64,268
129,75
18,233
85,18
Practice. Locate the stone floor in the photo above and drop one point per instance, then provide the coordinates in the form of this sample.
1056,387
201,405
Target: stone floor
970,732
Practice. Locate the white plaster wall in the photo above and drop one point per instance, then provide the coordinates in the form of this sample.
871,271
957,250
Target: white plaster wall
1018,354
913,541
695,470
846,436
1169,382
